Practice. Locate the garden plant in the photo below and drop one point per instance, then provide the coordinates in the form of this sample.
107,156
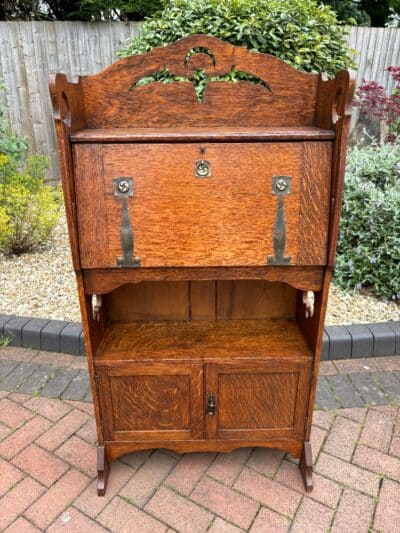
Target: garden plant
302,33
369,242
29,209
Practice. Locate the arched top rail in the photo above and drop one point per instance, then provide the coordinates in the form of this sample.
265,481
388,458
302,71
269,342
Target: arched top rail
273,95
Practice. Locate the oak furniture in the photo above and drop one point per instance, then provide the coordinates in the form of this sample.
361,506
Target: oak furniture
203,228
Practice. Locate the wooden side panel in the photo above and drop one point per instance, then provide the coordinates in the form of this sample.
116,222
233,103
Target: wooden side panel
91,204
254,299
333,111
69,116
314,206
254,401
153,401
157,300
312,330
288,100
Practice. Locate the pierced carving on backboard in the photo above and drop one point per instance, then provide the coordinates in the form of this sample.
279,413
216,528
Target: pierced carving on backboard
198,76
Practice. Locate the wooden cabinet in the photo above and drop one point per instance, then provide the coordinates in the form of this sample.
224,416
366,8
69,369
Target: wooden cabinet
203,235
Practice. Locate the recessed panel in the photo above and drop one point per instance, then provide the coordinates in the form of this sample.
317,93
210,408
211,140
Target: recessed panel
150,402
257,400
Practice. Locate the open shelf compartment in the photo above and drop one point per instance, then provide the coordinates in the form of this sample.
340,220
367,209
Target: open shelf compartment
205,340
201,320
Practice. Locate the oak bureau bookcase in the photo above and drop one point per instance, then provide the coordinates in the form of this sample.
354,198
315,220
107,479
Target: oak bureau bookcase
203,227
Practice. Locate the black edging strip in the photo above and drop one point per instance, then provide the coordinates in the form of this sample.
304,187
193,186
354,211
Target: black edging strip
339,342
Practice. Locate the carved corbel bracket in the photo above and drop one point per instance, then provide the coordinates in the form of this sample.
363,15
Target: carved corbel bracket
309,301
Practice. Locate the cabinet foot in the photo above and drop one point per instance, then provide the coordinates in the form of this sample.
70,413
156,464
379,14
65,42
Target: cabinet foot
103,469
305,466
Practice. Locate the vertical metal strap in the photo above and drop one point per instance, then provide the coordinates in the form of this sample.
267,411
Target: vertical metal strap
280,187
123,188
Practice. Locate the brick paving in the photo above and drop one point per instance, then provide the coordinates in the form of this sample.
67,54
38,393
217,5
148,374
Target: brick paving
47,461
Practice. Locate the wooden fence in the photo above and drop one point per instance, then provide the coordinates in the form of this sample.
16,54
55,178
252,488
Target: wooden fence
29,51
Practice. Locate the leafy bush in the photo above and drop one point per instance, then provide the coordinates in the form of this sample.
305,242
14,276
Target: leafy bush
349,11
29,209
369,241
10,143
300,32
77,9
372,100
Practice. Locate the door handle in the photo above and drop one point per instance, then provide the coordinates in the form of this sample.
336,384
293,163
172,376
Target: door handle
211,404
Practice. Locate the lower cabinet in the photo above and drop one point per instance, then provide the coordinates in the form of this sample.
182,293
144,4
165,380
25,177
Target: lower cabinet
186,400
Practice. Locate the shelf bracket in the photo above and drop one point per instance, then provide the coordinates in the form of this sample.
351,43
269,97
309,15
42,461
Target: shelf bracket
96,306
308,301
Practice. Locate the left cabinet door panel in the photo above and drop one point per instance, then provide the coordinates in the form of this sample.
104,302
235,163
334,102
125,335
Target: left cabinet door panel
152,401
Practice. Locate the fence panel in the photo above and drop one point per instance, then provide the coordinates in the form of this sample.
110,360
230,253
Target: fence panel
30,51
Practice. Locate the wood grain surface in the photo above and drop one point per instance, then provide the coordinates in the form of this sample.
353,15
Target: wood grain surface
110,102
181,220
106,280
161,401
69,116
190,134
200,300
257,400
315,204
292,445
204,339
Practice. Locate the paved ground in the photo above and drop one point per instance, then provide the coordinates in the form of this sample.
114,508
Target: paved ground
47,461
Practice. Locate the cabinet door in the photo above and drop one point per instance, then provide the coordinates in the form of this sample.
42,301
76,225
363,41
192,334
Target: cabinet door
151,401
257,401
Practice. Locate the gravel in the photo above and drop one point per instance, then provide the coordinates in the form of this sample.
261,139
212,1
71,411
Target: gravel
42,284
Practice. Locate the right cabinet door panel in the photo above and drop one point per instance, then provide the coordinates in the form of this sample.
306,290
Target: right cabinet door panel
255,401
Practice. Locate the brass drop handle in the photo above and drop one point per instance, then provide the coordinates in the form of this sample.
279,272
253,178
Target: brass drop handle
211,404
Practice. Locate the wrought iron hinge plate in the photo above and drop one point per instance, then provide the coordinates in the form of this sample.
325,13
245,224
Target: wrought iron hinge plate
123,188
281,187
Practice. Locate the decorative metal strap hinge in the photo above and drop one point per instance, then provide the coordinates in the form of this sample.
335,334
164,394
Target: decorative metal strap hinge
280,187
123,188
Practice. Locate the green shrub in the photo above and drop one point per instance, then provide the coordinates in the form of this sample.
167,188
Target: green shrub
300,32
369,242
29,209
10,143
